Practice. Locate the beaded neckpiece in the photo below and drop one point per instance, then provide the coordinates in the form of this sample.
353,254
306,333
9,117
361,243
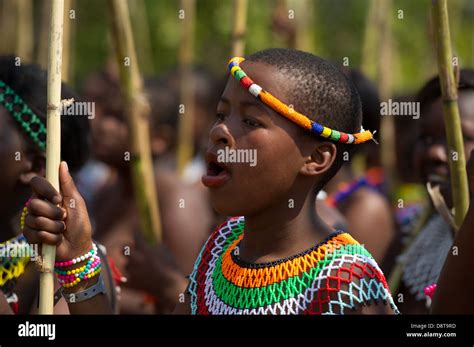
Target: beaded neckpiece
291,114
332,277
14,255
28,120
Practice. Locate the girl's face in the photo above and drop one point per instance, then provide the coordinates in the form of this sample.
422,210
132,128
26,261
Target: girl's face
431,155
250,129
12,159
110,137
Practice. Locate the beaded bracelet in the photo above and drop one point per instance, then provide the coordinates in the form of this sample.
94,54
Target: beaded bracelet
288,112
72,277
67,263
24,213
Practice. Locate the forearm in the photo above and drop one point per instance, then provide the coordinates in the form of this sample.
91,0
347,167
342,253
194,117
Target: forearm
456,282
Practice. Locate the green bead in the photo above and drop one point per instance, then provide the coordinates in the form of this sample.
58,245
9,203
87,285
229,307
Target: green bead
335,135
239,74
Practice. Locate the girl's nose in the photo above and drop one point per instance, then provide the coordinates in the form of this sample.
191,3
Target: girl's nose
220,134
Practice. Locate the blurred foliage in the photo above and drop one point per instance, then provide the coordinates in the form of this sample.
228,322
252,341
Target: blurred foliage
338,31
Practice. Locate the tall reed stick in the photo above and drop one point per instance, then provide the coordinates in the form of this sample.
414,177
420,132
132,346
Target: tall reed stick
53,145
137,110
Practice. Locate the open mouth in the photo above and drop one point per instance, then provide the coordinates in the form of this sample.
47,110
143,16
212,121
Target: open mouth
217,173
214,169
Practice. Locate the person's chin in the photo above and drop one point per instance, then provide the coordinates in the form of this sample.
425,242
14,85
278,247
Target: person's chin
226,204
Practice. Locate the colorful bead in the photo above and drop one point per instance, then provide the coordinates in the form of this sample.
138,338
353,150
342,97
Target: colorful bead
430,290
255,89
79,259
24,213
290,113
332,277
20,111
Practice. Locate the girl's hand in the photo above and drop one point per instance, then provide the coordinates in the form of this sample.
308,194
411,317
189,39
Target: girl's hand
67,226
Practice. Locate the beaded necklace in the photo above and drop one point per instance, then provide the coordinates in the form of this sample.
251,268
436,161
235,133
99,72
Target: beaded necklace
14,256
331,277
13,259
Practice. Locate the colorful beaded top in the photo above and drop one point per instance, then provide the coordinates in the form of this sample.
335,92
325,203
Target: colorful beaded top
333,277
14,256
291,114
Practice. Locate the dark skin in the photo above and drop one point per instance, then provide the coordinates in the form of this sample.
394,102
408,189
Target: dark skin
450,297
53,221
431,157
16,174
183,233
369,217
431,161
15,191
295,159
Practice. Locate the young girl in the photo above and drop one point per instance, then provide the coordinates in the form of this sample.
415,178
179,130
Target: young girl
278,258
22,154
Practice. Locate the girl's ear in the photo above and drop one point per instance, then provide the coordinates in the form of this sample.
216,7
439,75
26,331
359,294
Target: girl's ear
33,164
320,160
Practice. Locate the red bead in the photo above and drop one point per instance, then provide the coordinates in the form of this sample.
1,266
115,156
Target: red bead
343,138
246,82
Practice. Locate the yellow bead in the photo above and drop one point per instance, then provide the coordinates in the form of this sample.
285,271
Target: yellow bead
326,132
234,69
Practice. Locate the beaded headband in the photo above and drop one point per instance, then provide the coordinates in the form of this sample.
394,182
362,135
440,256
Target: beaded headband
288,112
20,111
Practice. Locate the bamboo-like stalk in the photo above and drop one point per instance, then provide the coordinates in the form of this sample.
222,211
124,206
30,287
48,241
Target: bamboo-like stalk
142,35
239,28
186,120
370,43
304,31
24,37
138,120
42,48
53,145
377,64
8,27
452,121
67,41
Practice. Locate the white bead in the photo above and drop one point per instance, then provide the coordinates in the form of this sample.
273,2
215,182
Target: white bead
351,139
255,89
74,261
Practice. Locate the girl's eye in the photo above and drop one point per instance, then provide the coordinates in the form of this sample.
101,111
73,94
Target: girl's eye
251,122
428,140
220,116
468,138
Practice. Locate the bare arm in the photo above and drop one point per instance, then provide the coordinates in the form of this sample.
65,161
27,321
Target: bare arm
456,281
